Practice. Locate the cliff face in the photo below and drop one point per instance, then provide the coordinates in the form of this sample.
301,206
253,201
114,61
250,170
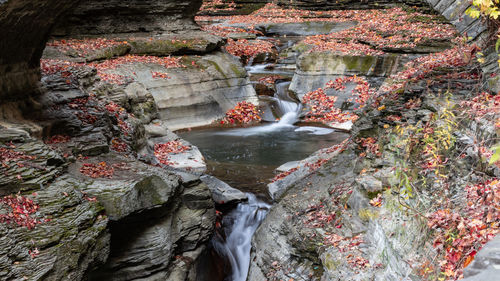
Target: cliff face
248,6
91,17
25,26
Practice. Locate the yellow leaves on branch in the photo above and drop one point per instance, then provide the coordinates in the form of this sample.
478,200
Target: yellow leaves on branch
488,8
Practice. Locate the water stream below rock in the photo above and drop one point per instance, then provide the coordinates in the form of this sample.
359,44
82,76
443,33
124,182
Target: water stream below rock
246,159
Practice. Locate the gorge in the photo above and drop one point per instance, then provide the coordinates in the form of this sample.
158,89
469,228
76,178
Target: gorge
248,140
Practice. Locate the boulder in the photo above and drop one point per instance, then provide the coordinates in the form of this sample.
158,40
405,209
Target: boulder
223,193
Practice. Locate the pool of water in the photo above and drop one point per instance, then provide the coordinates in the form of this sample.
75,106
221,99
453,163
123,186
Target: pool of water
245,158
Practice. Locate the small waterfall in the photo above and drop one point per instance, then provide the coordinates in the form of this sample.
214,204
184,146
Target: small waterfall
288,119
240,225
285,102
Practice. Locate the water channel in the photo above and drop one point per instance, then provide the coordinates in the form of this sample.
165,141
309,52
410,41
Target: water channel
246,159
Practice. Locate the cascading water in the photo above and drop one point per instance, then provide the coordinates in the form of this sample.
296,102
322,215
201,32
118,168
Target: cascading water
285,103
246,158
239,227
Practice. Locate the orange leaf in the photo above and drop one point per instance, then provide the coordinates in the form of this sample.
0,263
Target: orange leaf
469,259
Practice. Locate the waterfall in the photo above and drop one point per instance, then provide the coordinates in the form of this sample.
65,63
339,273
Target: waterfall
240,225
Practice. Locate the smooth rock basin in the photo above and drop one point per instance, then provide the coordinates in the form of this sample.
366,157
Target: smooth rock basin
246,158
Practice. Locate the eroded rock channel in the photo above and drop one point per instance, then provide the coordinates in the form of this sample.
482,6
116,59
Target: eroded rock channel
248,141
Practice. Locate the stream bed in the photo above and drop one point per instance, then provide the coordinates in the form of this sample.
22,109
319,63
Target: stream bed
246,158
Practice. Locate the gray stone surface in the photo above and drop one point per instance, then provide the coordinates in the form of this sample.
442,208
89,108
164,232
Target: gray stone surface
302,168
195,96
75,240
36,166
115,16
315,69
369,183
486,264
223,193
303,29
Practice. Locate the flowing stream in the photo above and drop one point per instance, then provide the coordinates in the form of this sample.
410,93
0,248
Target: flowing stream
246,158
241,225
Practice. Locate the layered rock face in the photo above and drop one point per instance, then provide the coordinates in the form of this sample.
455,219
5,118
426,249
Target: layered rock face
477,29
346,4
92,17
24,29
140,219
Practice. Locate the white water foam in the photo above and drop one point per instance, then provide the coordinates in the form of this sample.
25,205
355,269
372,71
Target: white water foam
315,130
245,220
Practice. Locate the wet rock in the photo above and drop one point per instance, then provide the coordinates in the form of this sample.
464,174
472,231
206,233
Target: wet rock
145,243
222,193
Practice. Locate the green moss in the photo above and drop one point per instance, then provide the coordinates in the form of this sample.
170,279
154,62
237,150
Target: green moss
362,64
367,214
239,71
165,47
217,67
301,47
330,262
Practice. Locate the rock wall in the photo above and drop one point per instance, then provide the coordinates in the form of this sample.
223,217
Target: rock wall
24,28
26,25
477,30
248,6
346,4
92,17
195,96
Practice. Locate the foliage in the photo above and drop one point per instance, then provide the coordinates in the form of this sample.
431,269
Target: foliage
217,5
99,170
21,211
460,236
488,9
369,146
67,68
246,49
243,113
420,68
84,46
164,150
284,174
10,154
269,80
58,139
380,30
